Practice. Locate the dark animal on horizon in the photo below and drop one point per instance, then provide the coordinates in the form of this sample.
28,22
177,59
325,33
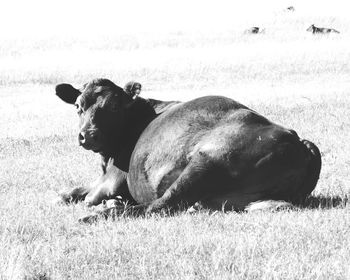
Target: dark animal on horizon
321,30
290,9
254,30
211,150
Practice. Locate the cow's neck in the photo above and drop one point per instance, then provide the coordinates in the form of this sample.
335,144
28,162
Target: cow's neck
139,114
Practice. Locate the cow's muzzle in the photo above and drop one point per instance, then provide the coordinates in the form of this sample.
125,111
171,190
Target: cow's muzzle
90,140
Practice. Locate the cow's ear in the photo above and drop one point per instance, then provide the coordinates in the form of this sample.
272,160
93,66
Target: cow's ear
133,89
67,93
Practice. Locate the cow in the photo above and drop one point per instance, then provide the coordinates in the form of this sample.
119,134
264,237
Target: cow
211,150
254,30
112,181
321,30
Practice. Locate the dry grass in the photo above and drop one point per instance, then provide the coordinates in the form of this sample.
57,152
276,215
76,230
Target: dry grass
294,78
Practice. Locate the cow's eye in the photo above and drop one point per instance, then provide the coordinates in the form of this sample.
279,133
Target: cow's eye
79,109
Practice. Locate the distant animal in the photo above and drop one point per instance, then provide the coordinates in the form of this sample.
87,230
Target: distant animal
254,30
211,150
321,30
290,9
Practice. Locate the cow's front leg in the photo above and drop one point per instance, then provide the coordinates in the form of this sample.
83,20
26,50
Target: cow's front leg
193,184
111,184
78,193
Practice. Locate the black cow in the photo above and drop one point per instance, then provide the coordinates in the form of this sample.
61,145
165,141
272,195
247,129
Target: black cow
112,182
254,30
321,30
211,149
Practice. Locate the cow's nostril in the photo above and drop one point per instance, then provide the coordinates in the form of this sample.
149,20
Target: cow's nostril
81,138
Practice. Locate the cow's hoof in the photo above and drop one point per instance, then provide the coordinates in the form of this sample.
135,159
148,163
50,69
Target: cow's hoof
111,212
65,197
195,208
92,200
105,204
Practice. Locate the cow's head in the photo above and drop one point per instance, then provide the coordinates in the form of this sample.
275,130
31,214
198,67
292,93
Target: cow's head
311,27
102,107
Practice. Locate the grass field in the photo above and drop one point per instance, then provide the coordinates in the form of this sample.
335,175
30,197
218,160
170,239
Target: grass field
287,74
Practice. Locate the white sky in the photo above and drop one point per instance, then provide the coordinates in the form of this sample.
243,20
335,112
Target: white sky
20,19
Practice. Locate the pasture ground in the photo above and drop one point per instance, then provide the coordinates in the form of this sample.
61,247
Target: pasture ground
292,77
